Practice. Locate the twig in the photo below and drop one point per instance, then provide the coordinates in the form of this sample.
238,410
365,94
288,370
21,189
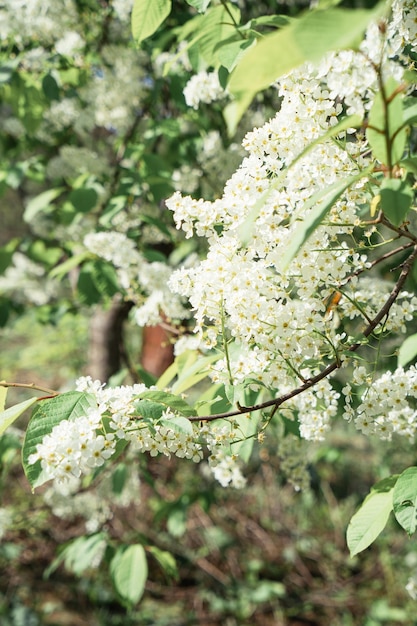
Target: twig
51,392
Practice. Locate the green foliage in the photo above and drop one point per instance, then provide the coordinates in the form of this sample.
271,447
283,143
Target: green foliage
405,500
396,199
370,520
47,414
10,415
305,39
129,571
147,16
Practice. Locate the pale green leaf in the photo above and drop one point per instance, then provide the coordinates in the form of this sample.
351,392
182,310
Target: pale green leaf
370,520
305,39
179,424
194,373
214,27
147,16
63,268
129,572
11,414
166,560
168,400
396,199
200,5
3,396
47,414
408,351
322,203
40,203
405,500
386,121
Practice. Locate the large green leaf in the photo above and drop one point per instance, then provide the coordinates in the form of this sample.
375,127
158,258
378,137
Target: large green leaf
306,39
370,520
386,132
408,350
129,571
396,199
214,27
47,414
405,500
11,414
147,16
41,203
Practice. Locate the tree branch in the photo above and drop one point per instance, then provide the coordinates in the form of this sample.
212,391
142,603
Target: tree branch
277,402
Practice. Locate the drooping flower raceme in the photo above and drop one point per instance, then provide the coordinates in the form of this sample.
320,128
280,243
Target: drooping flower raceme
275,314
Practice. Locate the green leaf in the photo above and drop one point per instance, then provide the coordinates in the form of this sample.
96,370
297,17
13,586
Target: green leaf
63,268
409,111
6,254
322,202
405,500
408,351
147,16
80,554
370,520
305,39
410,164
386,132
179,424
83,199
166,560
47,414
396,199
50,87
149,410
11,414
118,478
169,400
195,371
214,27
41,203
200,5
3,396
129,572
230,53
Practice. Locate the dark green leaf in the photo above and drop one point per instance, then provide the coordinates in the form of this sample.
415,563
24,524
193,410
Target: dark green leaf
84,199
169,400
396,199
47,414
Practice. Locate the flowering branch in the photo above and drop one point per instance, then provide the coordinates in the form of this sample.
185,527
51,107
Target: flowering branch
277,402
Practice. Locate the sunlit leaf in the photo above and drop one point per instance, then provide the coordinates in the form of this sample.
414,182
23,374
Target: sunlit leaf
370,520
11,414
408,350
405,500
147,16
129,572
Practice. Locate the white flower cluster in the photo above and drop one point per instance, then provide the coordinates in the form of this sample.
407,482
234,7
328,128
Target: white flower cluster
388,404
76,447
203,87
27,281
277,314
137,276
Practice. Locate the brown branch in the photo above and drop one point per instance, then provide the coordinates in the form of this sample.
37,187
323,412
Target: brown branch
51,392
277,402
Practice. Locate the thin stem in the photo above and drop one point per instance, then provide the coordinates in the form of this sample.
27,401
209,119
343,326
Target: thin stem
51,392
